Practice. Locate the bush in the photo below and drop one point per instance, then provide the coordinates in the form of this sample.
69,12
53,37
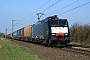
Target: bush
80,33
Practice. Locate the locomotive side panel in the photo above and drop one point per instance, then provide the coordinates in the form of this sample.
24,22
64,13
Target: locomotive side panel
38,31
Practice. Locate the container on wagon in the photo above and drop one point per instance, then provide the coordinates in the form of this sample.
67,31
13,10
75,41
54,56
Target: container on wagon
10,35
15,34
27,31
21,32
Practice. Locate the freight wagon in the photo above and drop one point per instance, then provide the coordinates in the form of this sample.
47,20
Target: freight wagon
19,34
23,33
9,36
15,35
27,33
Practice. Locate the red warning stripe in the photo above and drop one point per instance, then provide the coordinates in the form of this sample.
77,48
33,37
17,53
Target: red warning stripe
59,34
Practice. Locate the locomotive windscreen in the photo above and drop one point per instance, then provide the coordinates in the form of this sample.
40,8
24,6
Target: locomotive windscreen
59,23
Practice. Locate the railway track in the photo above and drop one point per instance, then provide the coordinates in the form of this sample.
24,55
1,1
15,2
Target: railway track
80,51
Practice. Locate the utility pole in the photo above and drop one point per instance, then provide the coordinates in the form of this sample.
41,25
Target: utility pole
39,15
5,32
12,28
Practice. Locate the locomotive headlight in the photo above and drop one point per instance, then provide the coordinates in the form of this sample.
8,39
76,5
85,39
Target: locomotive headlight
53,34
66,34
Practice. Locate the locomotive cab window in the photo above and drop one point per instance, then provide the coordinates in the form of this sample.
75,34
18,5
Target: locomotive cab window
59,23
54,23
63,23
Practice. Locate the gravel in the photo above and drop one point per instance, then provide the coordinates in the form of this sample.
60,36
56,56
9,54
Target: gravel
53,53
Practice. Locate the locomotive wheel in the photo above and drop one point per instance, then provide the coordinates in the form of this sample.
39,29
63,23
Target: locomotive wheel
50,43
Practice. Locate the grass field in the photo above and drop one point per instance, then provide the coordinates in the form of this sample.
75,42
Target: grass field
12,51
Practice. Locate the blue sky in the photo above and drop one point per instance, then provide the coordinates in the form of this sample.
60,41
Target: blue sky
26,10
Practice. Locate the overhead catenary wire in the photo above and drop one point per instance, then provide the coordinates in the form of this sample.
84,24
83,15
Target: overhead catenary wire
17,22
43,5
45,9
51,6
67,6
74,8
36,11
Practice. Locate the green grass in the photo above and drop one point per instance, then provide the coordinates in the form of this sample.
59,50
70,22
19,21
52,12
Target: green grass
13,51
78,43
74,43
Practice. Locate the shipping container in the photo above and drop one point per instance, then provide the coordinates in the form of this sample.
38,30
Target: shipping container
27,31
18,34
22,32
10,35
15,35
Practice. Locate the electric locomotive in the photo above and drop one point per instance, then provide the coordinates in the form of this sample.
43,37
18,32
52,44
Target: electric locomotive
51,31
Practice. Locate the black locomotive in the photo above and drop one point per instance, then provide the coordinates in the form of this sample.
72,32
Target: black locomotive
51,31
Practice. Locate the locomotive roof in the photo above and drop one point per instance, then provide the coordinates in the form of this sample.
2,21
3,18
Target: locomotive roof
49,19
